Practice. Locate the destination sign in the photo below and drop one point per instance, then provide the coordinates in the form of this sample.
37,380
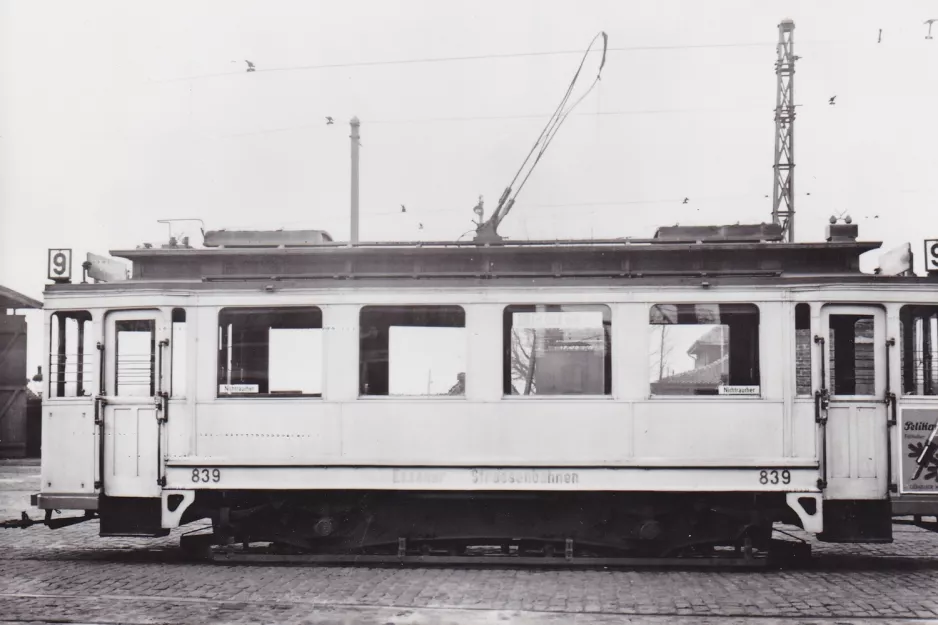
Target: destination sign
60,265
931,255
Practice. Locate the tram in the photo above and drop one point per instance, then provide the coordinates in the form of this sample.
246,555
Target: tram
653,398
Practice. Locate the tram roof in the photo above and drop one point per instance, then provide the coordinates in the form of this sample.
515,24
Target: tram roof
747,254
554,259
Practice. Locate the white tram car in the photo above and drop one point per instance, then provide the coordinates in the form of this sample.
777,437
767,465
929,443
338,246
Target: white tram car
641,397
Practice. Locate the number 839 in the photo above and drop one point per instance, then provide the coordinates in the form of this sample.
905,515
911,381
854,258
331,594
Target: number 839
774,476
204,475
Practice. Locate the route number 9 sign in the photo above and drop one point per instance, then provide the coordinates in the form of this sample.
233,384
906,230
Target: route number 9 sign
60,265
931,255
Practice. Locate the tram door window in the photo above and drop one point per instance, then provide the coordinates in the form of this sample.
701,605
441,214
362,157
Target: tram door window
850,355
178,344
264,352
136,358
919,349
412,351
557,349
803,349
704,349
71,363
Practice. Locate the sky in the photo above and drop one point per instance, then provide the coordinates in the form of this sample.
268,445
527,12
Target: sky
114,115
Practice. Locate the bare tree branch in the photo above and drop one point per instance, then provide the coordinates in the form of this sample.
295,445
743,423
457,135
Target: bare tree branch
523,362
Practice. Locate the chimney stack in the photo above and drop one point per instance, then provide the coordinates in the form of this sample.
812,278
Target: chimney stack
355,145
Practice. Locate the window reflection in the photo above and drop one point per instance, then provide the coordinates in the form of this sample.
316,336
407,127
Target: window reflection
704,349
557,350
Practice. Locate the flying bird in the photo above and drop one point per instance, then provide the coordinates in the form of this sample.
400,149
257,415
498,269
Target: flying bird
880,40
329,121
403,208
419,226
930,22
250,65
686,200
831,101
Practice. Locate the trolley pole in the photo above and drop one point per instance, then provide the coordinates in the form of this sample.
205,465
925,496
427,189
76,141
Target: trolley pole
355,145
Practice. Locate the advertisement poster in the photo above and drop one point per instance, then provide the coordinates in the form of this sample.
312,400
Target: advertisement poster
916,426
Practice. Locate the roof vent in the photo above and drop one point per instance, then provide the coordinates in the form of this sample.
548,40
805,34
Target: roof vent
266,238
715,234
841,232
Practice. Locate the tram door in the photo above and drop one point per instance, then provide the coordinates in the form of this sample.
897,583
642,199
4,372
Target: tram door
854,353
132,355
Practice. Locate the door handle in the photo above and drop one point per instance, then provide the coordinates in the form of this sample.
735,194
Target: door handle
822,401
161,400
99,403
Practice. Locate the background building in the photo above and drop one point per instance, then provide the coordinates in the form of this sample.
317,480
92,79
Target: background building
14,429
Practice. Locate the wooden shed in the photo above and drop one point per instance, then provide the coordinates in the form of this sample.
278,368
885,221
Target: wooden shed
13,375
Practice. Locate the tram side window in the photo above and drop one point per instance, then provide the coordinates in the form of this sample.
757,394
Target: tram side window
270,352
918,339
412,351
557,349
704,349
178,380
803,349
71,361
850,355
135,373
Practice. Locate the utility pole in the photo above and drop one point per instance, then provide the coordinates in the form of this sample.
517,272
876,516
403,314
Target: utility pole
355,137
783,196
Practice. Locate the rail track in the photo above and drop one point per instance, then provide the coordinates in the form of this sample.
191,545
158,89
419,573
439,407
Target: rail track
547,555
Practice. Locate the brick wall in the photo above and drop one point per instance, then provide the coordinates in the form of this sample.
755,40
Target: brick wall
863,361
803,347
863,370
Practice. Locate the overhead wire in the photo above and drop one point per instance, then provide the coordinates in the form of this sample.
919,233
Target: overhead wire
556,121
491,118
612,204
476,57
494,118
600,204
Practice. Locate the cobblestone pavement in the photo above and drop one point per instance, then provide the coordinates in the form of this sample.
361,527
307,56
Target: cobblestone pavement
72,575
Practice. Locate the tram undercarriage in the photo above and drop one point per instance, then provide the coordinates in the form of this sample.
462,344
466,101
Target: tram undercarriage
380,525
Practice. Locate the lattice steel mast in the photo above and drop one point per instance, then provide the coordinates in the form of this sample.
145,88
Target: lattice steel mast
783,197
